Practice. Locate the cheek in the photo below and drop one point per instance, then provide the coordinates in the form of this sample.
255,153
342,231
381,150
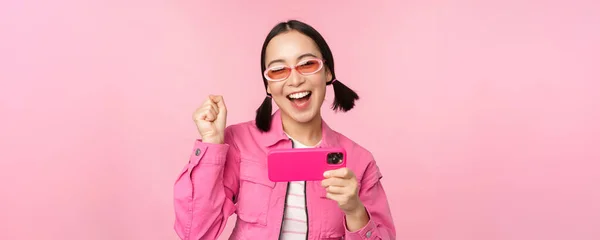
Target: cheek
318,81
275,88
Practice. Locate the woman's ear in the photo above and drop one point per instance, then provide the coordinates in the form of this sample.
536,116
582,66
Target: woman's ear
329,75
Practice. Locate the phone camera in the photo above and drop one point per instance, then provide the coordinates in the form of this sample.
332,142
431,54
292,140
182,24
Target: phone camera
335,158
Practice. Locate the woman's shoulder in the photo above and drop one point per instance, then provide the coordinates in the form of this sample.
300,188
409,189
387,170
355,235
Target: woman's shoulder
353,147
359,159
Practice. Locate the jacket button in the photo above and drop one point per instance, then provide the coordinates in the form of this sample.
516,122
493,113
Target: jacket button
368,234
198,151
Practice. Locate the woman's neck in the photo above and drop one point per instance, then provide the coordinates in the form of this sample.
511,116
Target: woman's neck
308,133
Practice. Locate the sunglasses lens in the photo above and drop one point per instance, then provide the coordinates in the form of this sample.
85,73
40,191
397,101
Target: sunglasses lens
278,73
309,66
282,72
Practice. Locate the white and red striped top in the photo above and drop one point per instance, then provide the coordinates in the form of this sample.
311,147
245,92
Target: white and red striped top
294,218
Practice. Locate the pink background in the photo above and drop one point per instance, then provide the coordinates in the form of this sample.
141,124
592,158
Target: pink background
488,113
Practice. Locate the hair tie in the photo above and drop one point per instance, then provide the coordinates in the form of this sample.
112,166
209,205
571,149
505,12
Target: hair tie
269,95
332,81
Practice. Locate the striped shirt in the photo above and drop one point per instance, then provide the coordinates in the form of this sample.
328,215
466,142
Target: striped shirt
294,218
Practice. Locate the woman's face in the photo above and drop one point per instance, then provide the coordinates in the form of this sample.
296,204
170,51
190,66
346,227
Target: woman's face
299,96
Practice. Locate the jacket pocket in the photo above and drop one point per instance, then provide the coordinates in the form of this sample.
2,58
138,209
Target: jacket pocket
255,192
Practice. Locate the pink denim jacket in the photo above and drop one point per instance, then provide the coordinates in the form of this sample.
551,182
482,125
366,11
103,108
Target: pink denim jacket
222,179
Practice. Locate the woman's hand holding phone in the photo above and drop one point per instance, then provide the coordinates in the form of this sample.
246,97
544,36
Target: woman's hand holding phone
342,187
210,119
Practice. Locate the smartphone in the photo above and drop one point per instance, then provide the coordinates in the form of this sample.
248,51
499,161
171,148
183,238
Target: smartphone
303,164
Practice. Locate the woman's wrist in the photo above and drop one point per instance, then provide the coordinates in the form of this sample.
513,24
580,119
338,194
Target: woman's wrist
357,219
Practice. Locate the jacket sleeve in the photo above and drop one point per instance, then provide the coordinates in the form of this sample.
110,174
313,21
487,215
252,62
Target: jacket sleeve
373,197
204,192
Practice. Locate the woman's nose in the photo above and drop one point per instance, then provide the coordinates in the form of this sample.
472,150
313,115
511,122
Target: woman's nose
295,78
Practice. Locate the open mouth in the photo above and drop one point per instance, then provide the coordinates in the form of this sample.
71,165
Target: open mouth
299,95
300,98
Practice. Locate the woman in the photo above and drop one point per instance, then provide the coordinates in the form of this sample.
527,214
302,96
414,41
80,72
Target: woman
227,170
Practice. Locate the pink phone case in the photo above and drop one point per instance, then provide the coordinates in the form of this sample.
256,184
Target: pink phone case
304,164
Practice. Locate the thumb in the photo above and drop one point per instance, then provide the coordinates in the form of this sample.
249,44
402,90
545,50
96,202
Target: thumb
219,101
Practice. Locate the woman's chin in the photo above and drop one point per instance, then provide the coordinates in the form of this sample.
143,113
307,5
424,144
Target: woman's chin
305,116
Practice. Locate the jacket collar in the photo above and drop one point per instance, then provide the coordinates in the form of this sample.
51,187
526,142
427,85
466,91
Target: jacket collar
276,134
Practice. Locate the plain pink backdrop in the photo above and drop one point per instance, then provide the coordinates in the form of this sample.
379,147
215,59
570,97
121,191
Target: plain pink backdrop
488,114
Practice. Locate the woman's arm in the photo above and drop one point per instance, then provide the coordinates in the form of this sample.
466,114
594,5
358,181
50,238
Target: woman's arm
374,216
205,191
357,220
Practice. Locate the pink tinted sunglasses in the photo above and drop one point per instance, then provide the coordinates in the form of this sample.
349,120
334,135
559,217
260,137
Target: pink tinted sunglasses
282,72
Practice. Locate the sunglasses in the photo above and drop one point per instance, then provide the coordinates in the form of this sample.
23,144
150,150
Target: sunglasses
282,72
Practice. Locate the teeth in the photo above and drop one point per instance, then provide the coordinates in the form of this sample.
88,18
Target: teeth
298,95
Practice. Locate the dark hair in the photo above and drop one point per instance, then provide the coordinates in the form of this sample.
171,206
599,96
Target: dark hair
344,96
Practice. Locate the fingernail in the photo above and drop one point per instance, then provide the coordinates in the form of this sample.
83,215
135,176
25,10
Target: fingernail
326,174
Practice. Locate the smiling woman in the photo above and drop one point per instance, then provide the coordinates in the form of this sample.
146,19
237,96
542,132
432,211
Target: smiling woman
299,45
227,171
278,73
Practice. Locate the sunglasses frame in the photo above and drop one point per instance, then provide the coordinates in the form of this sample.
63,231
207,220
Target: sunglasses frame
320,61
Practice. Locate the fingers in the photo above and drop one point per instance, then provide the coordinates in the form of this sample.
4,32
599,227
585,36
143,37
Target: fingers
214,108
334,196
345,184
334,182
220,105
218,99
339,185
210,107
345,196
339,173
341,199
336,189
207,112
210,114
342,187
